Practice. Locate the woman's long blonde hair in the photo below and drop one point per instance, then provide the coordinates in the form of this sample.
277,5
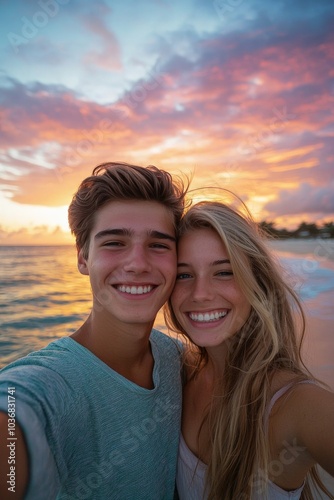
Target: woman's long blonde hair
267,342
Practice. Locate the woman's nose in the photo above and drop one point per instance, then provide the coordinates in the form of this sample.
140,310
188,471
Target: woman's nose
203,290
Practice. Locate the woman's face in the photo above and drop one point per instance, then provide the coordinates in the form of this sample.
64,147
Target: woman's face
206,299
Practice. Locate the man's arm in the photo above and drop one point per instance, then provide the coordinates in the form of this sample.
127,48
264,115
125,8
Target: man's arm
14,462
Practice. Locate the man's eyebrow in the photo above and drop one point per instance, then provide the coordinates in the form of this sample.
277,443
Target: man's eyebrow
113,232
128,232
161,236
215,263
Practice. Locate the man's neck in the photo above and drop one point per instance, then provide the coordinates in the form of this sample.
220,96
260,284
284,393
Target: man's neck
124,348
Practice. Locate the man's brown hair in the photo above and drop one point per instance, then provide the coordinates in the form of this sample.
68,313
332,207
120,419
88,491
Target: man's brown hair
117,182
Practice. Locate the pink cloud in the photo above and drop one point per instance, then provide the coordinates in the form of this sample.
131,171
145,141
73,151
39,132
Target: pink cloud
305,199
109,55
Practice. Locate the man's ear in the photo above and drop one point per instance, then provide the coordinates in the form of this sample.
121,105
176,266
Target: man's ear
82,263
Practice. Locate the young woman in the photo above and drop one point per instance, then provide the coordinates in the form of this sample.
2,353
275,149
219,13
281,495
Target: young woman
255,422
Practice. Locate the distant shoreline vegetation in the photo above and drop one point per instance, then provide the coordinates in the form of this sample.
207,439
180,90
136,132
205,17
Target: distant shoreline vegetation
304,231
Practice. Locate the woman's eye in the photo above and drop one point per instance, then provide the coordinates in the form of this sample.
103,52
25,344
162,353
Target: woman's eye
183,276
224,273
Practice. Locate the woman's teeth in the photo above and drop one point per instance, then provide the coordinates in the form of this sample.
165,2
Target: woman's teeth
207,316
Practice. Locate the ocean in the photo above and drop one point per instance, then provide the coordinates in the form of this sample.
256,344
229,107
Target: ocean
43,297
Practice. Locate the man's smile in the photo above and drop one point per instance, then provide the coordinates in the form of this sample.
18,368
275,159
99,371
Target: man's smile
135,290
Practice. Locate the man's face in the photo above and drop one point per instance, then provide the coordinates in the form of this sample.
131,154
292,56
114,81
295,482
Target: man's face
131,261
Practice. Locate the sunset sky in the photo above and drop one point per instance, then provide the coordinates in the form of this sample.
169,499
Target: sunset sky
237,93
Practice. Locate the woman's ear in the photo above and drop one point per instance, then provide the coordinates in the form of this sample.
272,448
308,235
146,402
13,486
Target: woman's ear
82,263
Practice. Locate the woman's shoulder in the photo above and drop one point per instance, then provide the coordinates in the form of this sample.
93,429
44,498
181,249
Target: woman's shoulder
296,402
289,389
284,382
302,417
299,393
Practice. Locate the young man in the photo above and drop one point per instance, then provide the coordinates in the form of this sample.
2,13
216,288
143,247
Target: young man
97,414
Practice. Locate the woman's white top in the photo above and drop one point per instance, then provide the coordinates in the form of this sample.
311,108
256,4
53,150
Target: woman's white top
191,472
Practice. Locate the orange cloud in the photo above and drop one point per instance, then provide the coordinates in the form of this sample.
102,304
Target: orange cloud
36,235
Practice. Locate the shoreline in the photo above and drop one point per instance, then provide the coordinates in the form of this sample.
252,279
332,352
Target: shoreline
317,248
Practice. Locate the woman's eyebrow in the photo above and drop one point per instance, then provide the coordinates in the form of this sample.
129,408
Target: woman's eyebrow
215,263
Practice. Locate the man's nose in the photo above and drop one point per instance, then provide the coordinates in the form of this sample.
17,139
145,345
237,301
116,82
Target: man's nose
137,260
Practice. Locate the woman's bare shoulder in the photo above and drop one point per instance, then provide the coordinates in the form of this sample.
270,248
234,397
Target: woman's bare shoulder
303,416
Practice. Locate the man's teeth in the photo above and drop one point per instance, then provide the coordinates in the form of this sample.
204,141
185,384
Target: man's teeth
207,316
135,290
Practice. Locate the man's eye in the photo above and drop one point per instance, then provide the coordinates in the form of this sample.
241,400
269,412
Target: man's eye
159,245
112,244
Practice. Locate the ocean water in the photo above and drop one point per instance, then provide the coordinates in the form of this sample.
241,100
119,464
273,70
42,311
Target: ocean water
309,267
43,296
